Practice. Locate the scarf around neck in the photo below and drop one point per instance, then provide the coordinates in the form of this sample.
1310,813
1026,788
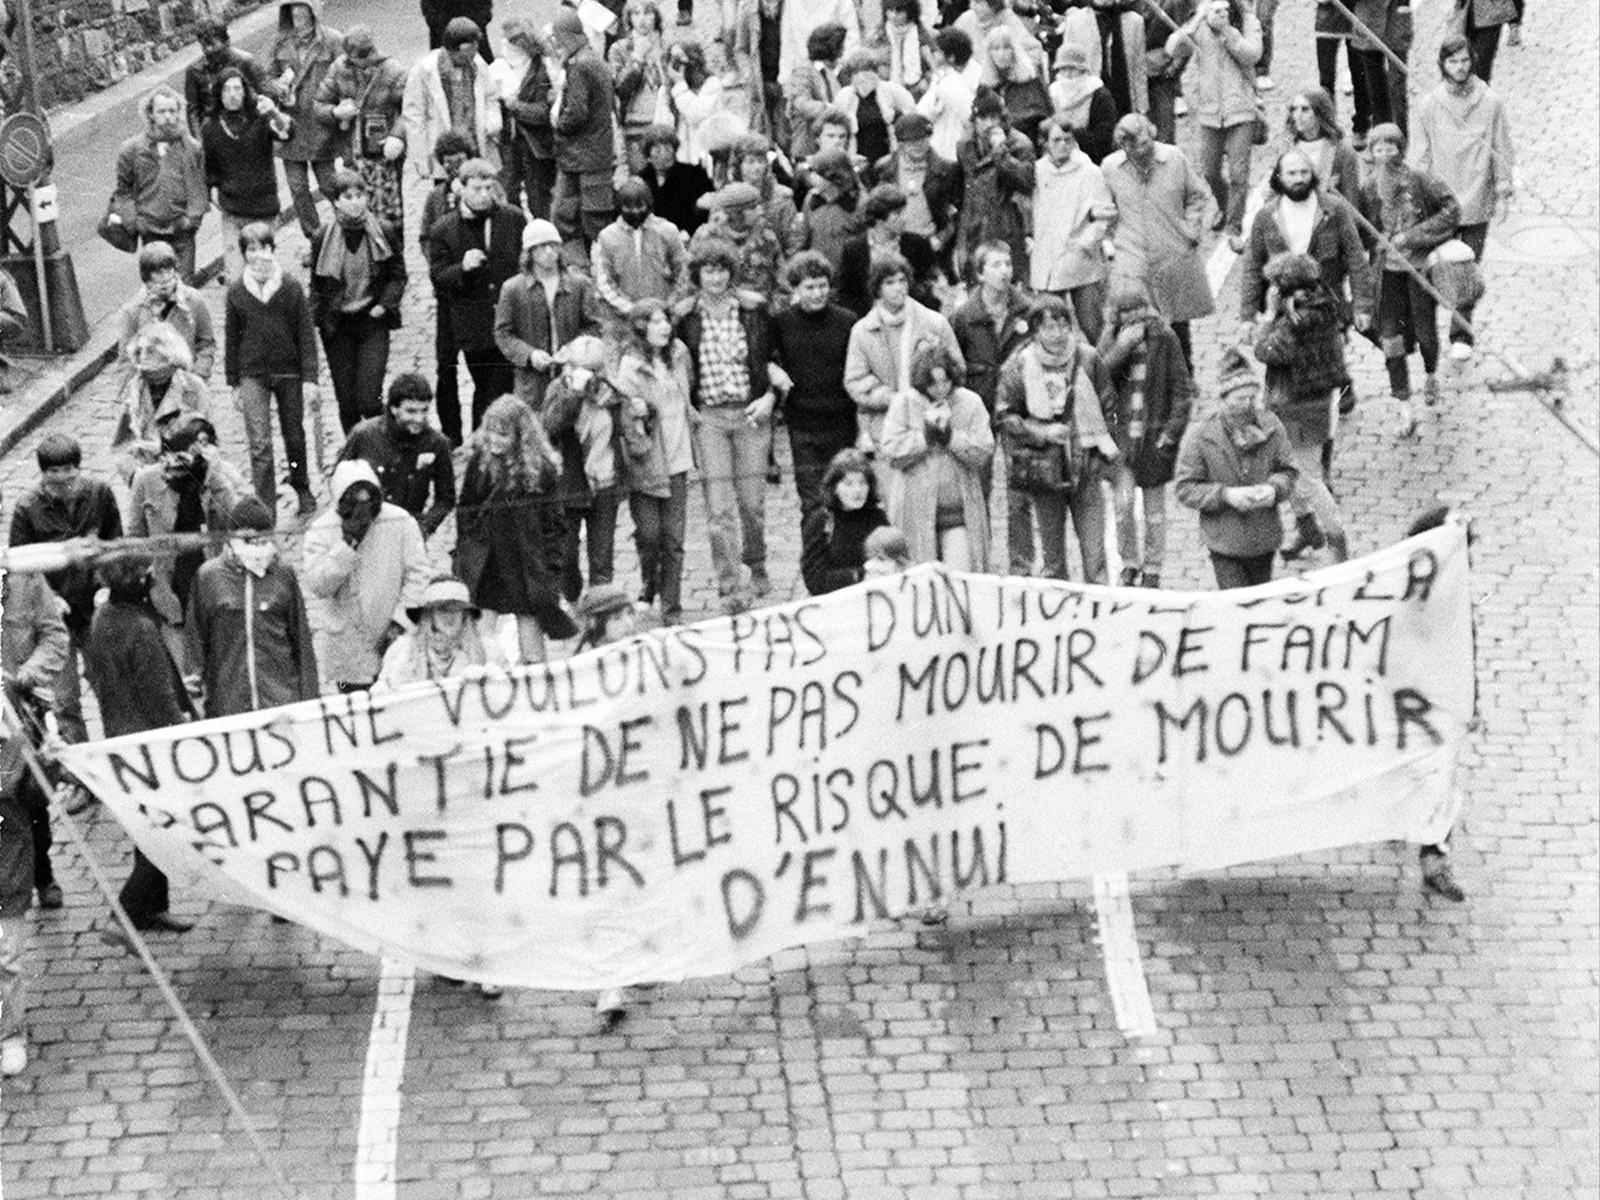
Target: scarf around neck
1049,384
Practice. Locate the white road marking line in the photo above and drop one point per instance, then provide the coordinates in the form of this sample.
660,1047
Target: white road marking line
1218,265
377,1142
1119,947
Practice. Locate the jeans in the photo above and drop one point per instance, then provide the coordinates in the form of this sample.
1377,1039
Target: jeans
1230,190
357,350
658,524
1088,306
182,246
1234,572
1405,311
536,177
255,398
1021,545
1485,45
299,176
1310,493
812,451
1123,490
732,455
1087,506
1476,236
600,519
145,894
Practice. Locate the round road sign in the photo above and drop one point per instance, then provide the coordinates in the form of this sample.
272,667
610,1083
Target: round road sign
24,149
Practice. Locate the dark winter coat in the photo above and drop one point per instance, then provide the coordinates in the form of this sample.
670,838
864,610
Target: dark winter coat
409,468
388,279
524,539
470,297
996,189
379,91
831,543
1335,244
529,109
985,347
1168,400
91,512
855,272
311,141
585,123
134,678
1304,353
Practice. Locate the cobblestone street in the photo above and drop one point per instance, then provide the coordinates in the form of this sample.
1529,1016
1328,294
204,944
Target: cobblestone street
1325,1029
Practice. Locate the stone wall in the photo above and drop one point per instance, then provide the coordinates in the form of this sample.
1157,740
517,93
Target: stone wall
84,46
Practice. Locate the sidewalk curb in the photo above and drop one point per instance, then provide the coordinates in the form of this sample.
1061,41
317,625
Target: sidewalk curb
64,378
84,117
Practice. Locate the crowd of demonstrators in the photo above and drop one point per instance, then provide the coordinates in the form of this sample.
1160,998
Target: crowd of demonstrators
938,271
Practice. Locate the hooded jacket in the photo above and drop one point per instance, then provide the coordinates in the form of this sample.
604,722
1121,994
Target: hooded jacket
309,60
1464,139
1067,238
358,591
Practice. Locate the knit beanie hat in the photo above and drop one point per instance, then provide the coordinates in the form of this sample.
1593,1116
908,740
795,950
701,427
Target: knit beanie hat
251,513
1235,374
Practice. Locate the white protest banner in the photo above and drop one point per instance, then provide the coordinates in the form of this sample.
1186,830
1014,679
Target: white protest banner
689,801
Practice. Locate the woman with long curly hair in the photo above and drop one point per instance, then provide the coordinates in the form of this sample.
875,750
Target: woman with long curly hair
655,416
508,526
1312,127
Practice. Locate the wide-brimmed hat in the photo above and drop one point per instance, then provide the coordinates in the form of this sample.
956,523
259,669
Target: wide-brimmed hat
444,593
601,601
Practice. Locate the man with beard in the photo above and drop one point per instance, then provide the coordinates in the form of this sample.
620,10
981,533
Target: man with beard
161,192
1464,138
411,458
191,489
216,56
166,298
638,256
1298,218
472,252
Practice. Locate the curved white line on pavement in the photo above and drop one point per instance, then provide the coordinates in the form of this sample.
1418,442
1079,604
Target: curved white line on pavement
377,1143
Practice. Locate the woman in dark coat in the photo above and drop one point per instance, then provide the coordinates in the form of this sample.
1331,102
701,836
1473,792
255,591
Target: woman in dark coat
1147,409
508,526
831,554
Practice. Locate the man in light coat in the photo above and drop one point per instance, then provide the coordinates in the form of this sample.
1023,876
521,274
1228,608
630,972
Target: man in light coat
1463,137
365,564
882,345
426,109
1161,202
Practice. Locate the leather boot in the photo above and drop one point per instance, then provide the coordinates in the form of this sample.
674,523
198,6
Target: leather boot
1307,536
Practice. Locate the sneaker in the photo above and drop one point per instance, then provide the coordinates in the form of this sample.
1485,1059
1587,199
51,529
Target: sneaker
1408,418
1460,352
1430,390
1264,83
13,1057
1438,877
50,897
